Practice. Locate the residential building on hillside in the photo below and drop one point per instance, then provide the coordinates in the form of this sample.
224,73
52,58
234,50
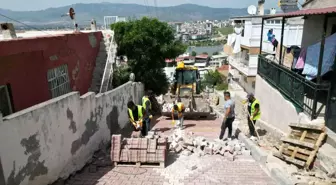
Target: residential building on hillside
300,86
243,45
218,60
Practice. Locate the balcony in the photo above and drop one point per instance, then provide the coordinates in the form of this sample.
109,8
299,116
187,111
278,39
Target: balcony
308,96
244,64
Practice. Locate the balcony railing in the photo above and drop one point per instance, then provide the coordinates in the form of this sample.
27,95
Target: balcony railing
306,95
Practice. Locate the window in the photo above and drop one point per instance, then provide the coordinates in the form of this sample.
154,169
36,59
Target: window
277,21
58,81
5,100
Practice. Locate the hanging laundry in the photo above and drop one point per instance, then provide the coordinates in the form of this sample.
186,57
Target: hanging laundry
301,60
236,48
313,55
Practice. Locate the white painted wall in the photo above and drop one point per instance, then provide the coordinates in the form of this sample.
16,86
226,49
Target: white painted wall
276,110
61,134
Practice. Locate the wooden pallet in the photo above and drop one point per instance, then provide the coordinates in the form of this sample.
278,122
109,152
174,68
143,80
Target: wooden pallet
301,145
140,164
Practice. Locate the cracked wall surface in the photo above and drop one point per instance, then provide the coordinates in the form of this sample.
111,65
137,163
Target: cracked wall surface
55,138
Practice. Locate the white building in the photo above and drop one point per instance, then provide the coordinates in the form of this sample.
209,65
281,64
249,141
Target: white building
218,60
243,46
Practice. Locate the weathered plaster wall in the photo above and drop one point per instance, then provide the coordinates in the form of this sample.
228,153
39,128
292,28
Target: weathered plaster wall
24,64
276,110
57,137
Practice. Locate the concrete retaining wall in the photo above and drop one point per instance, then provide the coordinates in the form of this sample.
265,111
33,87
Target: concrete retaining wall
276,110
53,139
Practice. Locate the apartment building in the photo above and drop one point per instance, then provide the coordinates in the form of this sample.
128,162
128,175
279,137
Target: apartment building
304,91
243,45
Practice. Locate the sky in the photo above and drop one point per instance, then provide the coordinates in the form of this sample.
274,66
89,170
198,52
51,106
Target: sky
23,5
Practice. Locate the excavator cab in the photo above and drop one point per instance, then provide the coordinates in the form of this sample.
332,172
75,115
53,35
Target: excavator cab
186,80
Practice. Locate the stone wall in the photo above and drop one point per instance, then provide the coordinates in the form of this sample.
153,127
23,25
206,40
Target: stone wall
53,139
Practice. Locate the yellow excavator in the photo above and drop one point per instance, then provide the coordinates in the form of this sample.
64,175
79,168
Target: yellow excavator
186,86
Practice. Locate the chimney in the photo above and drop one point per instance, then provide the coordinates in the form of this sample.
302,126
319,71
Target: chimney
93,25
8,31
261,7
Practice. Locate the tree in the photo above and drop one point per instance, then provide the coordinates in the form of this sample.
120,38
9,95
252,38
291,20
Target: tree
205,53
147,43
193,53
212,78
215,53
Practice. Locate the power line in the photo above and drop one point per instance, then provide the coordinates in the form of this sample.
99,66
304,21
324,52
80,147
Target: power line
25,24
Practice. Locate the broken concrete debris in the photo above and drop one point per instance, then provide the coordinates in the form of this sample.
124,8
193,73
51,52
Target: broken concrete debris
189,144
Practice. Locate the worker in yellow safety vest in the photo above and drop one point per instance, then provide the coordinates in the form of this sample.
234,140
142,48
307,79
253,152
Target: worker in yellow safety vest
136,114
254,113
180,109
147,105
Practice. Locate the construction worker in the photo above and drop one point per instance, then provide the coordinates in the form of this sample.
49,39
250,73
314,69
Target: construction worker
147,105
179,108
254,113
229,115
136,113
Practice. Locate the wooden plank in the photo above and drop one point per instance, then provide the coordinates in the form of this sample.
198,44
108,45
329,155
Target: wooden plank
297,155
300,143
300,150
308,126
301,140
311,135
320,139
311,158
294,161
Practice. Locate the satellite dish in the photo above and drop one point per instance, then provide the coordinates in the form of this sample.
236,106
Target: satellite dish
252,10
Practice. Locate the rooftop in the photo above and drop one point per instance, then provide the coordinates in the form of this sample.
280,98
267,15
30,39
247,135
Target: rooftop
47,33
315,11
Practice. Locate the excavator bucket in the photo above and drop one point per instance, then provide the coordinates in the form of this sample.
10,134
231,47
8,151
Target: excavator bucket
196,106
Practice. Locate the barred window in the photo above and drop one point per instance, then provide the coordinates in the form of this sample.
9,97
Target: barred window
58,81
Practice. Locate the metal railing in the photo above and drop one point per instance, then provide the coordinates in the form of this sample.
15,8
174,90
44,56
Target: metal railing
306,95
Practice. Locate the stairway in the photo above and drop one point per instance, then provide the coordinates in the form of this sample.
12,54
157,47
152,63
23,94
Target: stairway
104,62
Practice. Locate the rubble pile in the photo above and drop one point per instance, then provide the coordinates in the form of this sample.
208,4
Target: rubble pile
189,144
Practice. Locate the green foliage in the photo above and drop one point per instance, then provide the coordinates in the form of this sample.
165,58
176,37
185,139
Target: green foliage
205,53
147,43
213,78
193,53
222,87
121,75
215,53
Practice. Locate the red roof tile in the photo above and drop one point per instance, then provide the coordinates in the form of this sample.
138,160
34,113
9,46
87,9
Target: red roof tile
316,11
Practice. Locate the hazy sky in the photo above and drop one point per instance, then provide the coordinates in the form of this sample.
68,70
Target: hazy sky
43,4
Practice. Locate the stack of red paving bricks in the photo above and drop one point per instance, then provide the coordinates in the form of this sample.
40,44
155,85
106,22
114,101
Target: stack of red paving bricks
141,150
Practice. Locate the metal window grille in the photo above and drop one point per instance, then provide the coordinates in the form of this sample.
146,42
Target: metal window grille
58,81
5,102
